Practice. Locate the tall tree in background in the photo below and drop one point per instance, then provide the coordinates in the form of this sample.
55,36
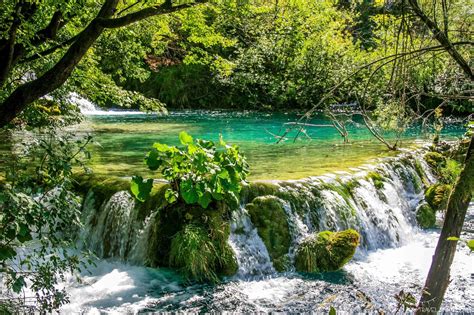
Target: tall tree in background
437,280
20,43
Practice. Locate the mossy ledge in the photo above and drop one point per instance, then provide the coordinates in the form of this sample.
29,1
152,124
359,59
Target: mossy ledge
269,217
425,216
326,251
437,196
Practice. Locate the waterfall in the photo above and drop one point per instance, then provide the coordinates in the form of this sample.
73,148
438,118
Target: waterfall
381,208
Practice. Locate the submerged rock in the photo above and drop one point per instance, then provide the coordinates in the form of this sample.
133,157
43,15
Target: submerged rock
270,219
425,216
326,251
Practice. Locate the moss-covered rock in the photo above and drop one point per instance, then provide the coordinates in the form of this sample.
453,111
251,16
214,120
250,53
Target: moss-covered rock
103,187
435,159
437,196
376,178
269,217
256,189
326,251
425,216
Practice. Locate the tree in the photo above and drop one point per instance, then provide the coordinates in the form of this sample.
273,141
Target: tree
18,48
437,280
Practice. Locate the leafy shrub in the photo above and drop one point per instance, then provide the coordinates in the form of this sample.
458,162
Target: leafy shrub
199,173
38,218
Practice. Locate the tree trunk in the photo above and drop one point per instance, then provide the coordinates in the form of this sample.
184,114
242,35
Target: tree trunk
57,75
438,277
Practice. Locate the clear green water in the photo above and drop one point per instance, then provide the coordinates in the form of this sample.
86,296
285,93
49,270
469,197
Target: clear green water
121,141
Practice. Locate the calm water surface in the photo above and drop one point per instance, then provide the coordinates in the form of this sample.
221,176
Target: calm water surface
122,140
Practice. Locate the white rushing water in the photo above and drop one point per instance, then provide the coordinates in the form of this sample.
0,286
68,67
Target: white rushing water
394,253
119,288
88,108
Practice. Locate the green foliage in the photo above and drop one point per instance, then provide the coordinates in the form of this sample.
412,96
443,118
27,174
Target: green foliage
200,173
193,251
469,243
269,217
435,159
38,219
405,300
199,256
437,196
426,216
326,251
141,189
450,172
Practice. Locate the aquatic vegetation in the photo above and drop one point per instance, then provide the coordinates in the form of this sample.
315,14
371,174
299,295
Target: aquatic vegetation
326,251
450,171
270,219
425,216
194,253
103,187
376,178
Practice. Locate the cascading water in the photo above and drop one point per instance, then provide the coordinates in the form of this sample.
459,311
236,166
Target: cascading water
383,210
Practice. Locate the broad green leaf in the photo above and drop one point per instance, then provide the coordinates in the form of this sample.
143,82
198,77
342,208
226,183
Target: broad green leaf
185,138
188,192
453,238
170,195
141,189
18,284
470,244
332,311
6,252
205,200
161,147
153,160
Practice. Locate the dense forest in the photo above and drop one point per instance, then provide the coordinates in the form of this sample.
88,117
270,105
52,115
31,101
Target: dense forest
193,156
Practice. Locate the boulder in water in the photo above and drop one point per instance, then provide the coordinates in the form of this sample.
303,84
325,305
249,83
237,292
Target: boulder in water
270,219
425,216
326,251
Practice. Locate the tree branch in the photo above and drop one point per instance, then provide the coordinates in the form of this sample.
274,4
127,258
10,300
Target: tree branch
442,39
143,14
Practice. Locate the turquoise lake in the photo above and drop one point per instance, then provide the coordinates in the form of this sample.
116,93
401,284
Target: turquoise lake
123,139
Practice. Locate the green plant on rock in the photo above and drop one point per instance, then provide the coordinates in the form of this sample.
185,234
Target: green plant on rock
199,173
450,172
199,256
437,195
326,251
426,216
376,178
435,159
269,217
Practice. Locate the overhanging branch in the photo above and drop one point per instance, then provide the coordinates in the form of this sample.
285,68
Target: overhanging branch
144,13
